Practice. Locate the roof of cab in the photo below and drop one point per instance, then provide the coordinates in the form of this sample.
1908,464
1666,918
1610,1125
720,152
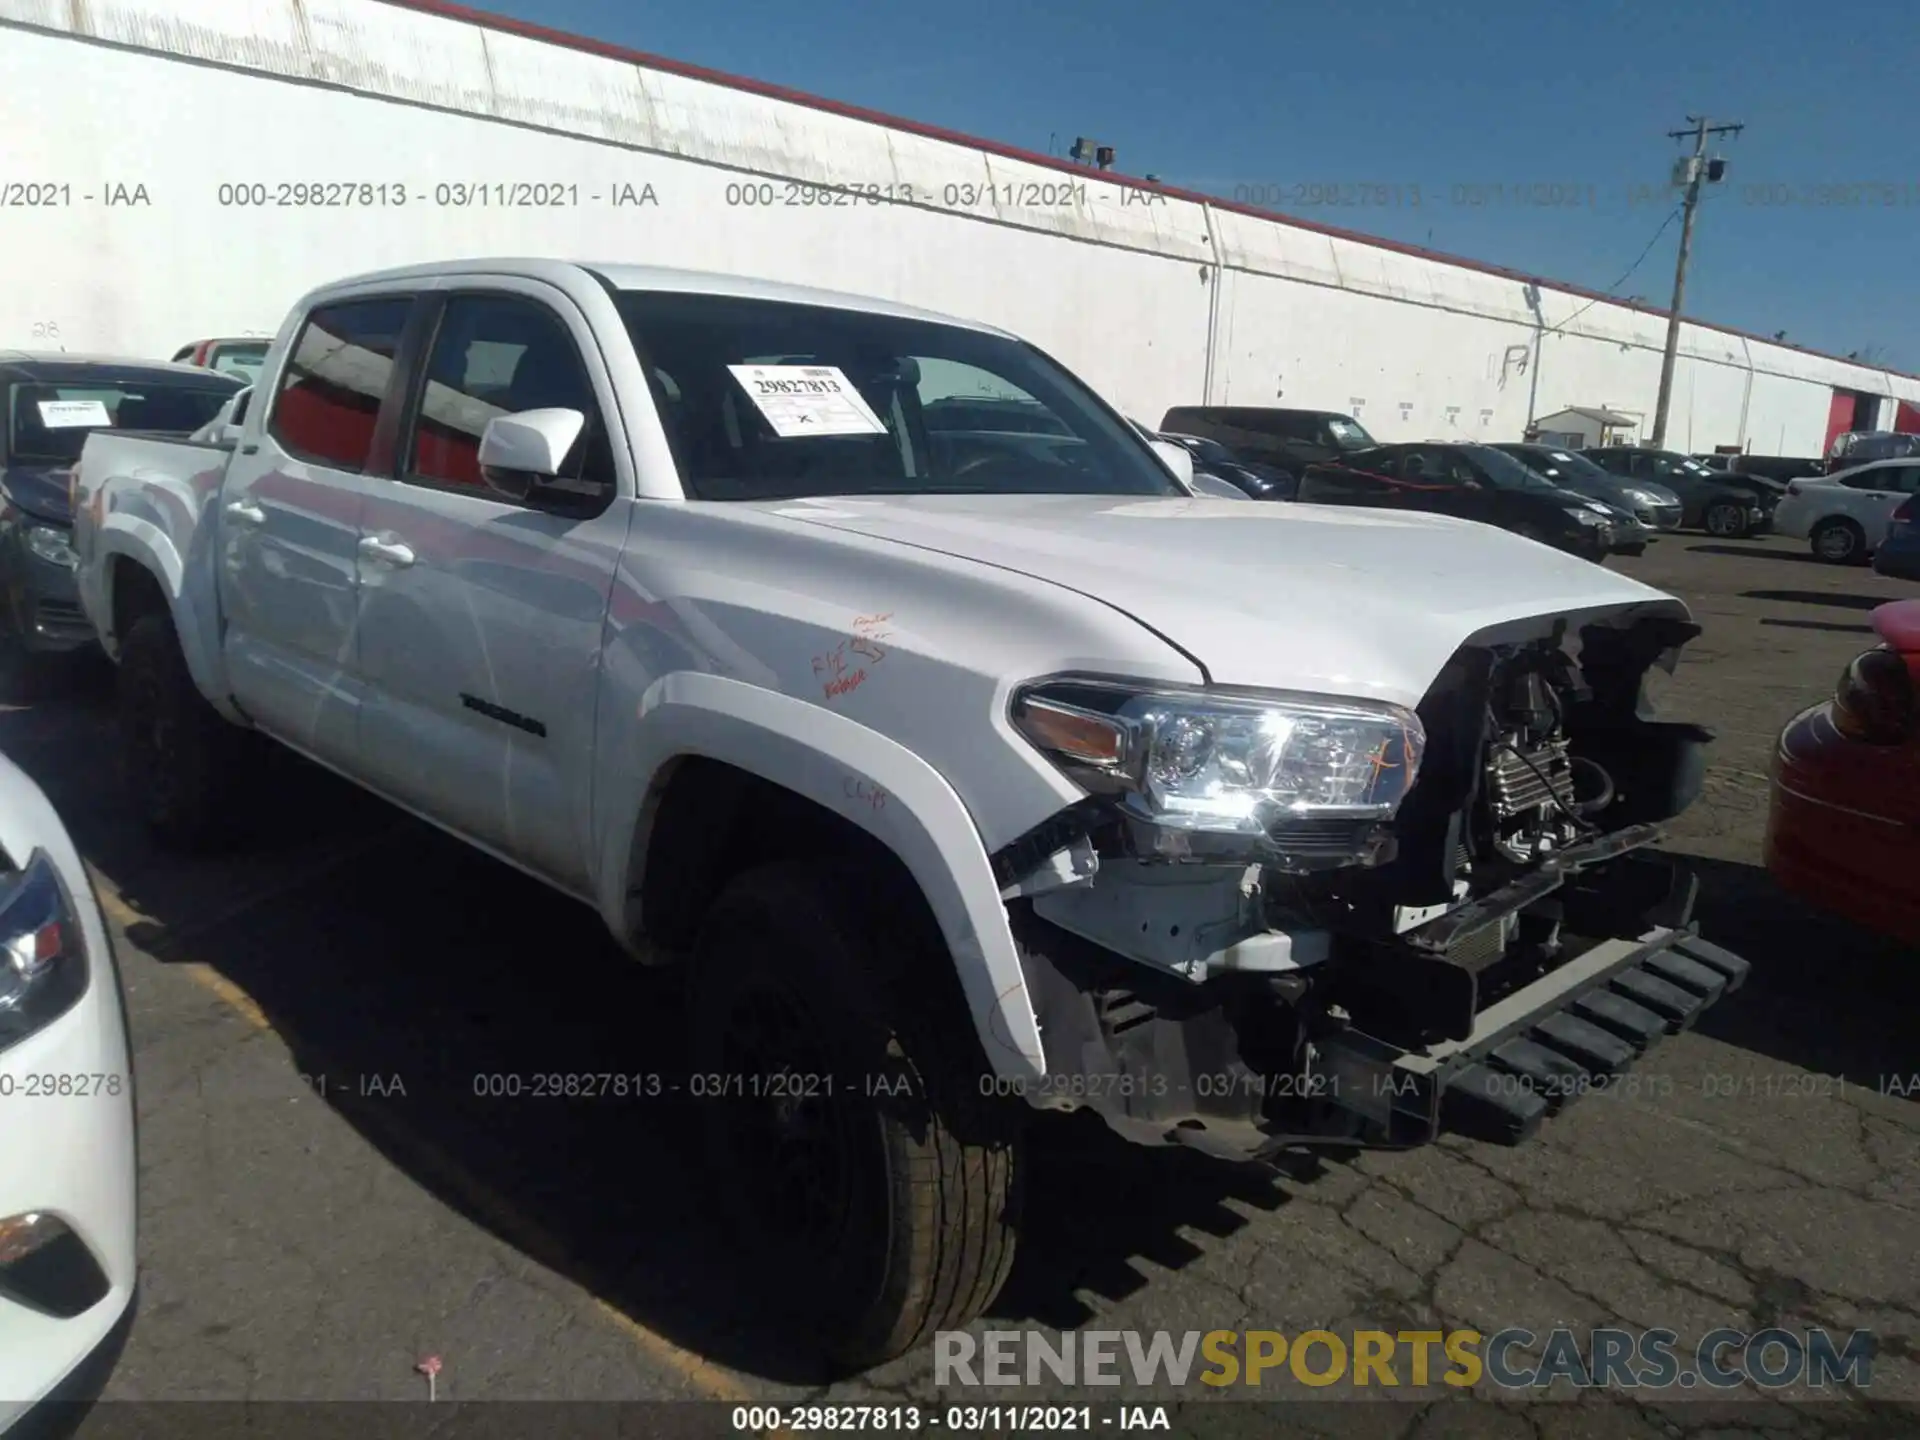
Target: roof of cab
652,277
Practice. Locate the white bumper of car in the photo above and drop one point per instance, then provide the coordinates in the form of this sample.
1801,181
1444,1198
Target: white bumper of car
1793,517
67,1153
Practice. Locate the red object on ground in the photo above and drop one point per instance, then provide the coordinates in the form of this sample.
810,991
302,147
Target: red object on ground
1843,823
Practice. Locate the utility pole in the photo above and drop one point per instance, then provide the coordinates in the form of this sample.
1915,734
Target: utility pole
1697,168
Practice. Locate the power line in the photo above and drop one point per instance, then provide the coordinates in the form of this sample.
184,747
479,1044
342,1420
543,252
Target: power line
1628,275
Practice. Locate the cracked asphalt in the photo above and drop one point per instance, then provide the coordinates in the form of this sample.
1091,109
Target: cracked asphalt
329,1196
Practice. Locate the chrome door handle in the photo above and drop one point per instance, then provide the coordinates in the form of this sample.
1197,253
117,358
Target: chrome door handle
246,513
391,552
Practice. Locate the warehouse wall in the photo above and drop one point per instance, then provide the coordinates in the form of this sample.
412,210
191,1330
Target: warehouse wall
131,117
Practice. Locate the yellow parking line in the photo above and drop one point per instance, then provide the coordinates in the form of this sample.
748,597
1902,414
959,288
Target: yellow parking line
701,1374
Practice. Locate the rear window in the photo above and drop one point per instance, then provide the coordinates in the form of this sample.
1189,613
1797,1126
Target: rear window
770,400
48,422
241,360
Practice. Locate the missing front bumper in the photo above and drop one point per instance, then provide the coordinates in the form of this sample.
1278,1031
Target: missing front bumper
1391,1042
1572,1031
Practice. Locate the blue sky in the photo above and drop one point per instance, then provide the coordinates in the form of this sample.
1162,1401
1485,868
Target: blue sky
1533,132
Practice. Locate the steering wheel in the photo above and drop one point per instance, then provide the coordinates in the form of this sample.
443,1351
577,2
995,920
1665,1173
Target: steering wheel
992,461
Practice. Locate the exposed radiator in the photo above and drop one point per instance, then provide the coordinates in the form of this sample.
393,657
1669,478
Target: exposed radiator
1515,787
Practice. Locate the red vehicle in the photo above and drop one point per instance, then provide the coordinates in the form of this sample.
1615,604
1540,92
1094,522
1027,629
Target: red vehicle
233,355
1843,827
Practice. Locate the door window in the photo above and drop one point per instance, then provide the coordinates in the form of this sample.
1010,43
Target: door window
336,380
497,355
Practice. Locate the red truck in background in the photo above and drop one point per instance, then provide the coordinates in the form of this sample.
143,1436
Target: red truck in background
239,355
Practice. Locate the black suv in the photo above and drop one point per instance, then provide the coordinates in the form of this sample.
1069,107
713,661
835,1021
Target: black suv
1286,440
1473,482
1716,501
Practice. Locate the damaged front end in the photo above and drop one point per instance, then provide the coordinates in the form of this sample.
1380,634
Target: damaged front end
1440,919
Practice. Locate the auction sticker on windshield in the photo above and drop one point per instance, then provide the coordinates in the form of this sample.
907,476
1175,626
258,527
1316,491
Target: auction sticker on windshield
807,400
71,414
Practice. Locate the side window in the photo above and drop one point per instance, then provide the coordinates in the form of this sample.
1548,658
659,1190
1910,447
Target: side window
1907,481
1422,467
498,355
335,380
1880,478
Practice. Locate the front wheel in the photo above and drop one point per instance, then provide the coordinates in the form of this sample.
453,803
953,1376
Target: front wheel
1727,519
840,1087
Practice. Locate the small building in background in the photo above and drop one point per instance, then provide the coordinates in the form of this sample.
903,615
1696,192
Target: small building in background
1579,426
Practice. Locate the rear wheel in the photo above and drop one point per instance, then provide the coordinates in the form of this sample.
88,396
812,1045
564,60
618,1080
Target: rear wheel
1726,519
1839,541
840,1082
189,770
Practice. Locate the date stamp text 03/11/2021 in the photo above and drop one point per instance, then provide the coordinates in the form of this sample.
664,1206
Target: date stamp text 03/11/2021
796,1085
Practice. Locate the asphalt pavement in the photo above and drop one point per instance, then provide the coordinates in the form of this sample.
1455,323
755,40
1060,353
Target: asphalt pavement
340,1182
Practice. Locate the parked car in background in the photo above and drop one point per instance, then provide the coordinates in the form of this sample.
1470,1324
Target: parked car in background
68,1198
1860,447
1259,482
1652,507
872,725
1285,440
1844,516
1470,482
1898,556
239,356
1715,501
1192,476
1780,469
1843,819
53,402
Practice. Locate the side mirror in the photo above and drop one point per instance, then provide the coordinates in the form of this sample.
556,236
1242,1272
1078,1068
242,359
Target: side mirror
1177,459
518,451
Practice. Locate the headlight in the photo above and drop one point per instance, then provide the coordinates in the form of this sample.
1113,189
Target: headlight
43,952
1586,516
1211,773
51,545
1875,701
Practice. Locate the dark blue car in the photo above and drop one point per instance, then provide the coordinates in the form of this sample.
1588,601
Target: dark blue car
1899,554
51,404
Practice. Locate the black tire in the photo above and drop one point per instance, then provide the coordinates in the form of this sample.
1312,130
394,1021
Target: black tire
1839,542
1726,519
889,1209
189,771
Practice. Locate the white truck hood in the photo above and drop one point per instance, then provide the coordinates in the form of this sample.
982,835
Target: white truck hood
1327,599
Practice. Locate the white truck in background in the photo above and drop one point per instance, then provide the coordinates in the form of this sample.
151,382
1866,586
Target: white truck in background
1013,774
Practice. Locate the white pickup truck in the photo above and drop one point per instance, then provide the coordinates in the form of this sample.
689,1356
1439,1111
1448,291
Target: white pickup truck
976,768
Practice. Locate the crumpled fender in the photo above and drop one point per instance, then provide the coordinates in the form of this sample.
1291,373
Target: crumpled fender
857,773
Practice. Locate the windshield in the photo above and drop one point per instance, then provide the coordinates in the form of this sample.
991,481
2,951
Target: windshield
1349,434
1504,471
770,400
50,422
1556,463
